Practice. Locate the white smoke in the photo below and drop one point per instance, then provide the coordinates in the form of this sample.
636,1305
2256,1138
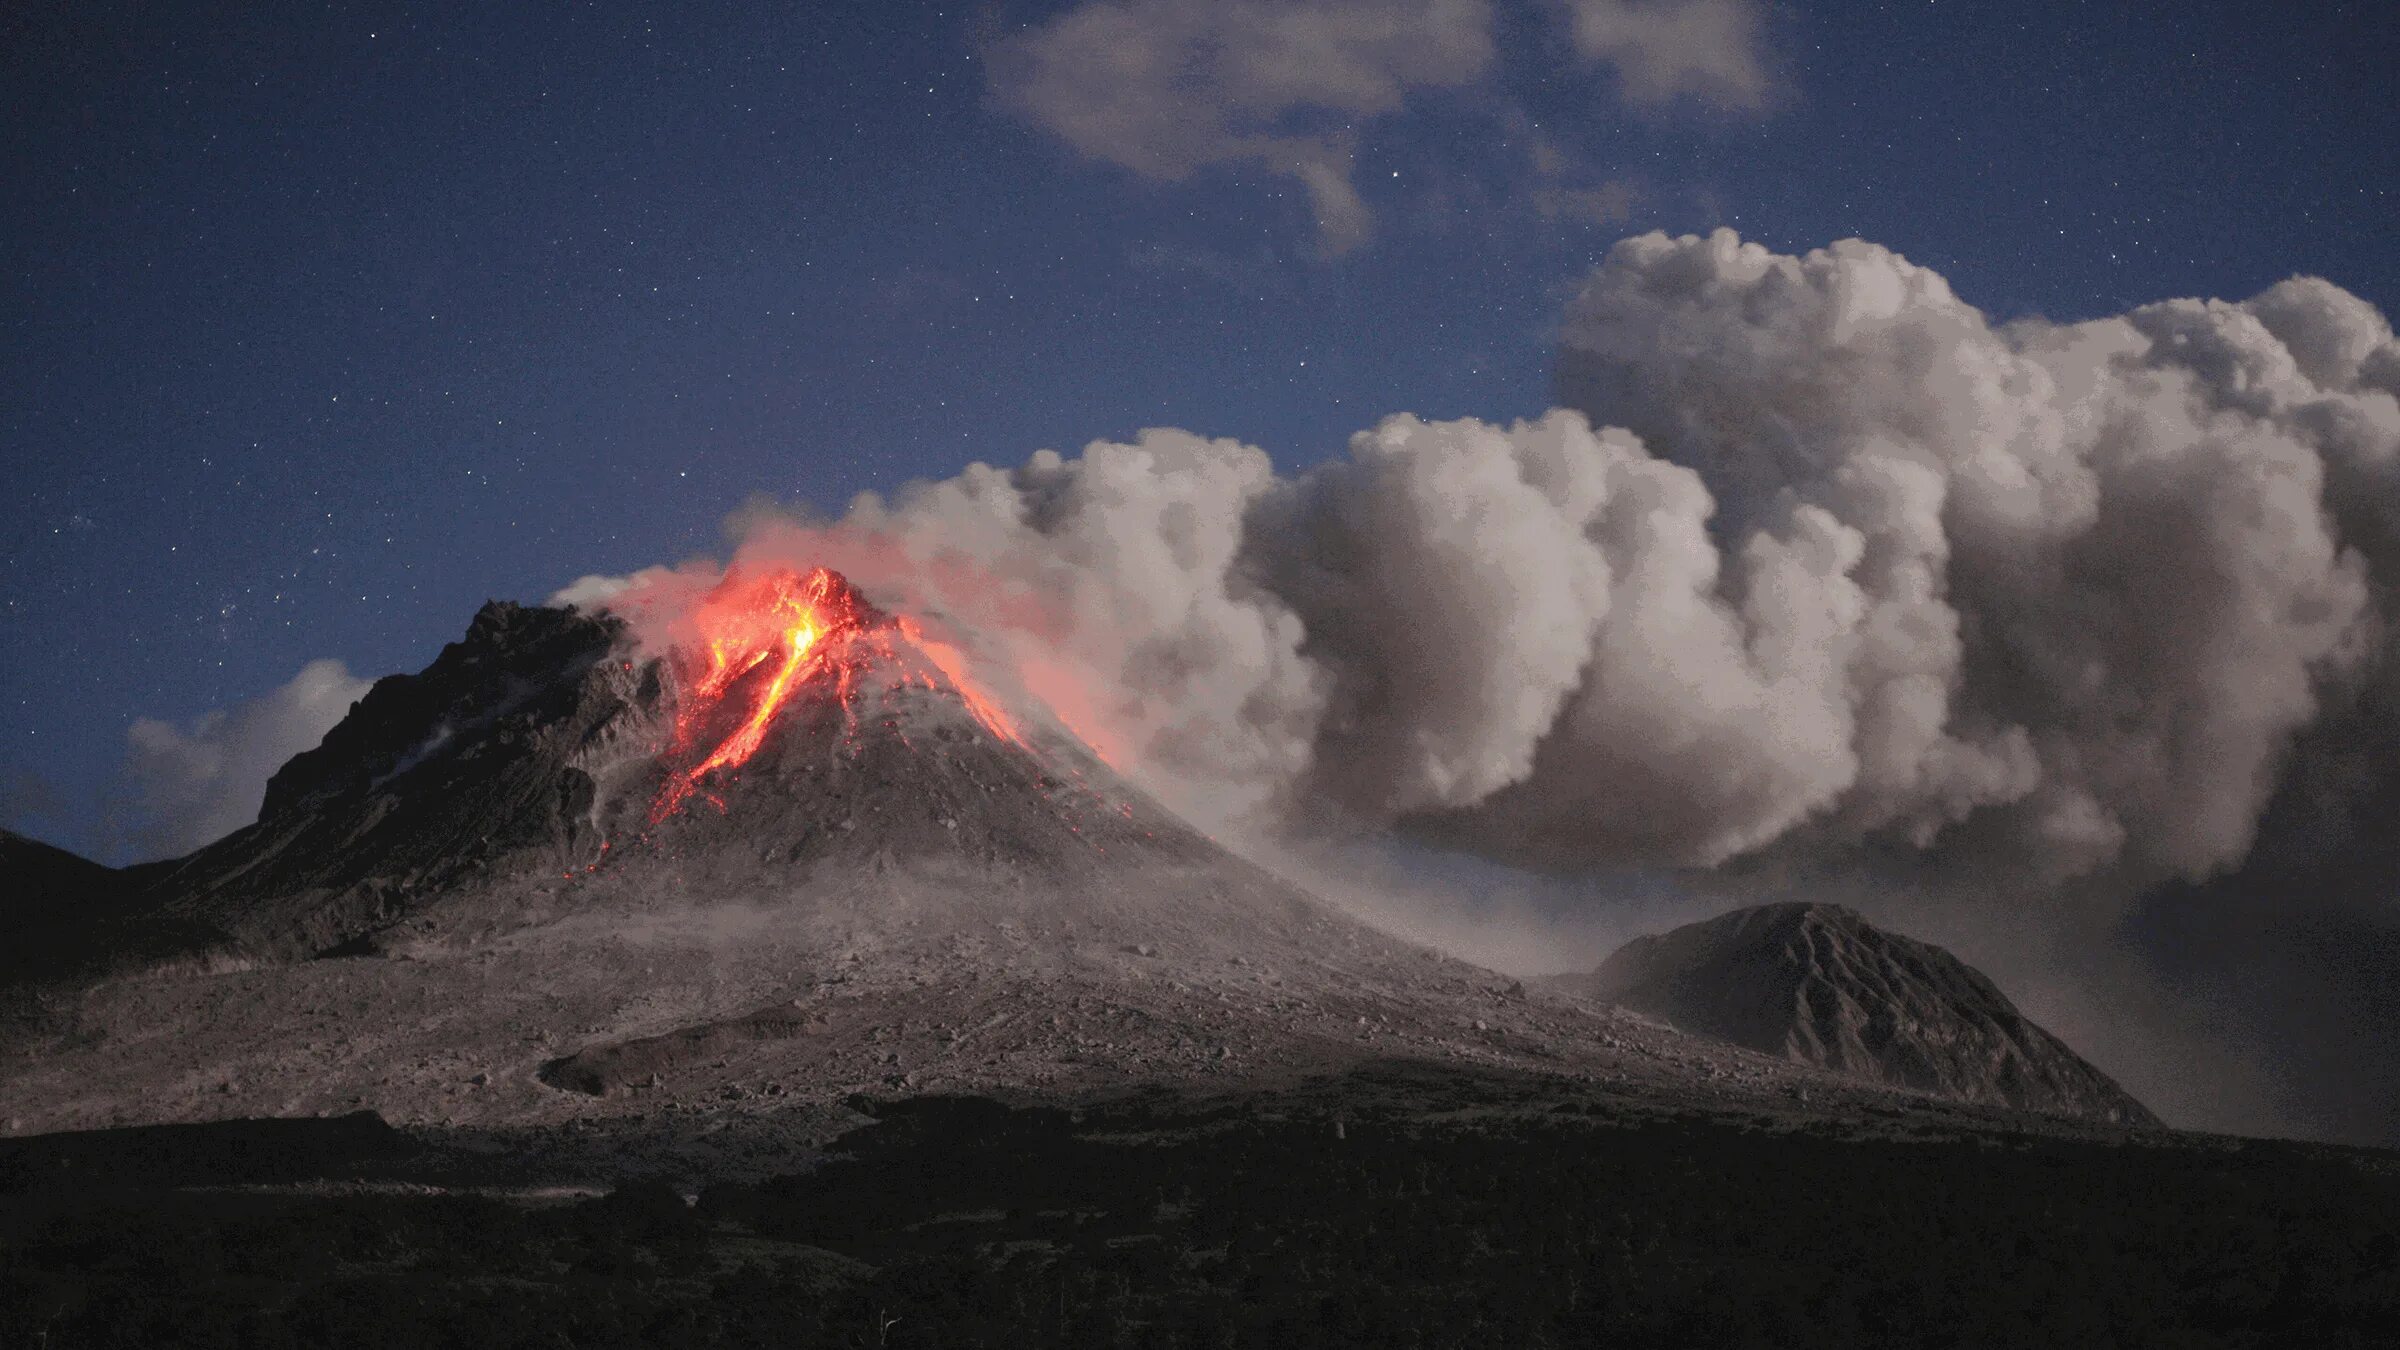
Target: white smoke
1990,628
2104,568
194,784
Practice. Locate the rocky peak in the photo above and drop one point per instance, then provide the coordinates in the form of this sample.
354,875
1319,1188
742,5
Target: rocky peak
510,653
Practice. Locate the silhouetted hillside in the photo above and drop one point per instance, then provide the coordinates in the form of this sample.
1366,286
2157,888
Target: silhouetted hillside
1416,1210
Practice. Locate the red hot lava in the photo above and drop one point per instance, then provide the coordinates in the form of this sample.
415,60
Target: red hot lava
797,628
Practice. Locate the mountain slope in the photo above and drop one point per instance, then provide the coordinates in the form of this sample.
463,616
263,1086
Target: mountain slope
54,902
479,767
1817,984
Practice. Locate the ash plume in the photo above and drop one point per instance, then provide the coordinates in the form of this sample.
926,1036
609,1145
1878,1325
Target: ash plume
2105,572
1817,571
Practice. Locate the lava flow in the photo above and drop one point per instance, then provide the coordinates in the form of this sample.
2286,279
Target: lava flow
801,628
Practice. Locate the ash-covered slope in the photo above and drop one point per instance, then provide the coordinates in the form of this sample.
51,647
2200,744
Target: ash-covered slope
1820,985
807,834
808,754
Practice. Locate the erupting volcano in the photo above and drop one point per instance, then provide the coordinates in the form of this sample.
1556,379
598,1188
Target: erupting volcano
490,872
764,636
781,618
509,835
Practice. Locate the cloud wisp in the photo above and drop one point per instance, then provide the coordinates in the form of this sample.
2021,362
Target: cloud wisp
1165,89
191,785
1709,51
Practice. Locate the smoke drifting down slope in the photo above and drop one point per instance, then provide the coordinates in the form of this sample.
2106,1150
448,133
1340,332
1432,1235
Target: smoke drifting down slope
1816,559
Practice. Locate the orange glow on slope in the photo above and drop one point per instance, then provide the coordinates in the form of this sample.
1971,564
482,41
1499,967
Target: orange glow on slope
741,745
948,660
744,623
813,627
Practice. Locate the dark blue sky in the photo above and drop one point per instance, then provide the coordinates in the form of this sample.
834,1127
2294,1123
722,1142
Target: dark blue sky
322,324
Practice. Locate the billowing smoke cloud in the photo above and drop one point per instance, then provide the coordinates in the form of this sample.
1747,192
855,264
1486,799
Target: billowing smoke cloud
194,784
2105,572
1843,564
1819,578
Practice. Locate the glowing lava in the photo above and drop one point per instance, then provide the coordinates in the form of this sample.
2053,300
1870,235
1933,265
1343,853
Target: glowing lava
791,629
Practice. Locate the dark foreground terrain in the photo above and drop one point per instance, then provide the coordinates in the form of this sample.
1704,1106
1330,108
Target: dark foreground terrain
1392,1208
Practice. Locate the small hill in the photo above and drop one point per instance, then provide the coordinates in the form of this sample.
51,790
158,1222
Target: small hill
53,901
40,875
1817,984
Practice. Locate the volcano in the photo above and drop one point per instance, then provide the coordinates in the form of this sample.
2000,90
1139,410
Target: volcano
538,768
560,878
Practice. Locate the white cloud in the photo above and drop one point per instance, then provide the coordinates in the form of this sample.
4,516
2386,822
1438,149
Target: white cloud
1165,88
1661,50
194,784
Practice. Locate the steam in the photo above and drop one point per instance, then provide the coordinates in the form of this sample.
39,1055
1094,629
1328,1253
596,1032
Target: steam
194,784
2105,572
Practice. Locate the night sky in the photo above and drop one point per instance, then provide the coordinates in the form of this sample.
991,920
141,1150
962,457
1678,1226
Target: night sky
323,324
